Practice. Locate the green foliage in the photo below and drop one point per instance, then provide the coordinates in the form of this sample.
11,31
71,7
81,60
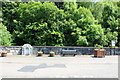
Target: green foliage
111,36
62,24
84,18
95,35
9,14
82,41
5,36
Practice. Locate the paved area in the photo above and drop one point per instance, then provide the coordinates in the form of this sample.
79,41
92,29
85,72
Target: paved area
58,67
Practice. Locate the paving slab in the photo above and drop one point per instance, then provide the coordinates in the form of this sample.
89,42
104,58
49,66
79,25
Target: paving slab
17,66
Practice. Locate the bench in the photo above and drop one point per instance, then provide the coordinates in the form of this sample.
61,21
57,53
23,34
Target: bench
69,52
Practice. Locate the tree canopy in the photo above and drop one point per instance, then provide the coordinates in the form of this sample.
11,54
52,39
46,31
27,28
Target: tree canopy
62,23
5,36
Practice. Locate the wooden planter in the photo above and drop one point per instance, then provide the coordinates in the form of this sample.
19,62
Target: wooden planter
99,53
40,53
52,54
3,54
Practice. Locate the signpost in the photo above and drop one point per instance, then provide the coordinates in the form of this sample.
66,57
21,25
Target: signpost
113,42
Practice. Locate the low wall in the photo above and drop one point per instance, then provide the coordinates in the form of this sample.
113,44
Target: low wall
17,50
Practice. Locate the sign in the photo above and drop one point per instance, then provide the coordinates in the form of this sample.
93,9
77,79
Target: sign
113,42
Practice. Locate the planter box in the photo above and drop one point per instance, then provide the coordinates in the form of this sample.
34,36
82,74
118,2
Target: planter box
99,53
3,54
40,53
52,54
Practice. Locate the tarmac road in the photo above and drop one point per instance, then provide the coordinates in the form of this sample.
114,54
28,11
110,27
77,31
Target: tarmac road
58,67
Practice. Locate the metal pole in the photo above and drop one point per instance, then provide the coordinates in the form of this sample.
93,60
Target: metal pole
114,50
110,51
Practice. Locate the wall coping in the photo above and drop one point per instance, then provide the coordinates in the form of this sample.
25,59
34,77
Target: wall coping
60,47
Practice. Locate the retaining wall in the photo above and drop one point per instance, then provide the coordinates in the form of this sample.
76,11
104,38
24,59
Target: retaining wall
17,50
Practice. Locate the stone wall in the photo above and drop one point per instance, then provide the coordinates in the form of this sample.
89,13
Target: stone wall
12,49
17,50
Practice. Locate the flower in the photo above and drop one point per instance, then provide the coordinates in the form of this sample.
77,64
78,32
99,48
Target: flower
52,52
40,52
99,49
3,52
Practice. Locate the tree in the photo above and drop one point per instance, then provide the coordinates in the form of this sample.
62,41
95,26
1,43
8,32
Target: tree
118,41
82,41
5,36
62,24
35,17
97,10
95,35
9,14
110,15
87,5
67,28
107,14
